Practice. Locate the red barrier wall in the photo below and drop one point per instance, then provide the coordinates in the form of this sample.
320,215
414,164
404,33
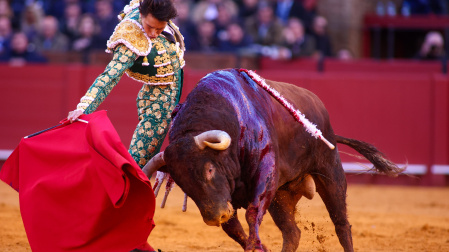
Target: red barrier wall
405,114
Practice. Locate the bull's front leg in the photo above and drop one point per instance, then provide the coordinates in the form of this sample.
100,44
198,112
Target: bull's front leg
265,189
234,229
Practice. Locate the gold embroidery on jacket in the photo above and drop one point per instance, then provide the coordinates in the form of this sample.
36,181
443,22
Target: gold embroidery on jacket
153,80
130,34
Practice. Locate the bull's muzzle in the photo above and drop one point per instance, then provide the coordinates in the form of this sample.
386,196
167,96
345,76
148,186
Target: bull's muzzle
218,217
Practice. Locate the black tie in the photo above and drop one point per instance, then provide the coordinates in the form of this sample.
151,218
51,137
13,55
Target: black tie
169,36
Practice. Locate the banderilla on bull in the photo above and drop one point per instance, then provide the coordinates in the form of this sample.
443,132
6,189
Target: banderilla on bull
300,117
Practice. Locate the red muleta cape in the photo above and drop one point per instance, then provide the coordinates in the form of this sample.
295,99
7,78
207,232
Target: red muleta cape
80,189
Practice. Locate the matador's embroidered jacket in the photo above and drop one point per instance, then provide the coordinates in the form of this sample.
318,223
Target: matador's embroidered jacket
155,62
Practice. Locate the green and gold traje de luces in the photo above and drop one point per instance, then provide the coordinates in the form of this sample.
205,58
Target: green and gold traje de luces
155,62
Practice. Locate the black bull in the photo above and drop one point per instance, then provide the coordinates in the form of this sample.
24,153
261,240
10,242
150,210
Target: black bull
232,145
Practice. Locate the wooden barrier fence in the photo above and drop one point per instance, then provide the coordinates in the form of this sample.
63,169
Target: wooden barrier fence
401,108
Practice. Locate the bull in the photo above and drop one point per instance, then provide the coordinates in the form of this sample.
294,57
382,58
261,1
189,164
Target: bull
232,145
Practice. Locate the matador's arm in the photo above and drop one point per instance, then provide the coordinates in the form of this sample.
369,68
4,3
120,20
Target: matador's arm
123,59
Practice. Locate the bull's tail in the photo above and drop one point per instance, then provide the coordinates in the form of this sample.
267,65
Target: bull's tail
377,158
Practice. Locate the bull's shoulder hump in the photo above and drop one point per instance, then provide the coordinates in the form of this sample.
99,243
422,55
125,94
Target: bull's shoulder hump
224,78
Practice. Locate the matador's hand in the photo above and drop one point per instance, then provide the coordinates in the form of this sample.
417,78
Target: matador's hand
73,115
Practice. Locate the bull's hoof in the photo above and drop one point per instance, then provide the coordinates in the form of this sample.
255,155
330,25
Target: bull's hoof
141,250
258,249
264,249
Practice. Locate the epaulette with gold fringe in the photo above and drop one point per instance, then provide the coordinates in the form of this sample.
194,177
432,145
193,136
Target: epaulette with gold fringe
130,33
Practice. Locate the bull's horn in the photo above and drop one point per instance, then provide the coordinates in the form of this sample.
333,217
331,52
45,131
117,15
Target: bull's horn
154,164
214,139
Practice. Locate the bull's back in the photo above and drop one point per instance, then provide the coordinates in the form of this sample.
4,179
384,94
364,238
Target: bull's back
292,142
301,98
254,104
298,150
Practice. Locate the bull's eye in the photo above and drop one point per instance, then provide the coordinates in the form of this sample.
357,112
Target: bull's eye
210,171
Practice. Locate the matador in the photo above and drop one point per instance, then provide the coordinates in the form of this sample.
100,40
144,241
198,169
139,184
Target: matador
157,63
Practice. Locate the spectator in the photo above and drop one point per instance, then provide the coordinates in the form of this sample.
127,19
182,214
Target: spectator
322,40
5,33
309,14
72,17
265,28
205,10
106,19
185,24
19,53
118,5
49,37
310,5
297,42
87,39
208,9
432,48
344,55
88,6
207,41
427,6
285,9
5,9
31,20
55,8
13,11
224,18
15,8
247,9
236,39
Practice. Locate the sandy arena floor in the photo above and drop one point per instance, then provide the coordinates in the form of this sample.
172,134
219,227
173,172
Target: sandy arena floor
383,219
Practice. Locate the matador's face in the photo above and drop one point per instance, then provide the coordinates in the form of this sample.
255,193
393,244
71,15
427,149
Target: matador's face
152,26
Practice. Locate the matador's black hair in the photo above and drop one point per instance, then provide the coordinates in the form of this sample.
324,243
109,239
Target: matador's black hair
162,10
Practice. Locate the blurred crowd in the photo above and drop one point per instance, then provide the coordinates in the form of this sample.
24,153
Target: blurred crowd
31,28
280,29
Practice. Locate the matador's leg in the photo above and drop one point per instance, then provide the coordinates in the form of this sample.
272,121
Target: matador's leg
155,116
